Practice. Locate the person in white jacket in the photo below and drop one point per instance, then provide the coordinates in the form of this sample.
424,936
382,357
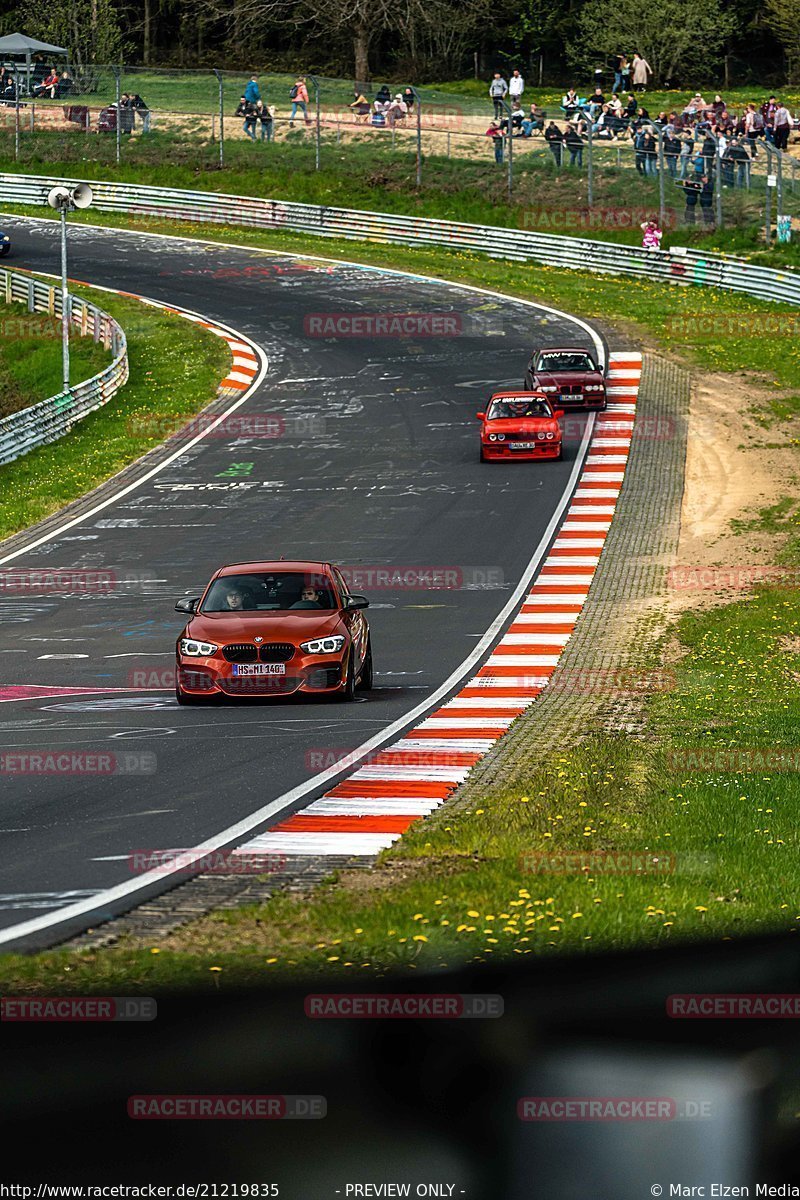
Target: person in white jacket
516,86
641,73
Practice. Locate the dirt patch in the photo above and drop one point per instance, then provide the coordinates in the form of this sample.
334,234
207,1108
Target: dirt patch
730,475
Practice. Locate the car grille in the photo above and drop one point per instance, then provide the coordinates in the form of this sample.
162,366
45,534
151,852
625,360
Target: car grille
260,685
240,652
571,389
275,652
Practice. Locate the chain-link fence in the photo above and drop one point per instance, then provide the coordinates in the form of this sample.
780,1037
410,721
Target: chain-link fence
201,116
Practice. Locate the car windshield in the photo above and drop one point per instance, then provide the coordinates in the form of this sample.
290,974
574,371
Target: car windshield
523,407
564,361
276,591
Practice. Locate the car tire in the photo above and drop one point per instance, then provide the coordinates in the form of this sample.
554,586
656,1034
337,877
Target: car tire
5,251
560,453
187,701
483,455
348,692
365,678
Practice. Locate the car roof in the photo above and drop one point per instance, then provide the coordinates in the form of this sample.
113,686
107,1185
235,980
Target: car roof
272,564
563,350
520,395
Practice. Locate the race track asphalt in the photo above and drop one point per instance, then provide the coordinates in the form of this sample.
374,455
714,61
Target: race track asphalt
377,467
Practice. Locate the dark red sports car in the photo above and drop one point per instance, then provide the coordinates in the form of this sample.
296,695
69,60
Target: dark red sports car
521,425
271,629
569,375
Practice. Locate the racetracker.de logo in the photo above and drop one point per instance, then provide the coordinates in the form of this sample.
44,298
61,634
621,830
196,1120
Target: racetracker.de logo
699,578
372,325
717,325
734,760
209,862
737,1005
77,762
78,1008
599,862
227,1108
596,1108
624,217
402,1005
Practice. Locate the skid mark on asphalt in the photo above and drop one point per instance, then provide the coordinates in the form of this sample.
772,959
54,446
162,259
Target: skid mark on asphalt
370,809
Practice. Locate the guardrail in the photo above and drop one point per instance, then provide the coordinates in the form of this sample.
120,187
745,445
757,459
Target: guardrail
679,265
50,419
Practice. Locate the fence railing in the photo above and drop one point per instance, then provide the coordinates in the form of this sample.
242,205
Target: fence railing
50,419
679,265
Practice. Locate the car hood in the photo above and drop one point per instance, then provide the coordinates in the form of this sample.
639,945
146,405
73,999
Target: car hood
566,378
521,425
271,626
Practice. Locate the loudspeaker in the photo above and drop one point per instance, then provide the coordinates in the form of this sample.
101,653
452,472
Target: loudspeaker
58,197
82,196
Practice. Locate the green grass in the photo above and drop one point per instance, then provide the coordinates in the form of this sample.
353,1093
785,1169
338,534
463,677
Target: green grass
191,363
728,838
370,175
30,358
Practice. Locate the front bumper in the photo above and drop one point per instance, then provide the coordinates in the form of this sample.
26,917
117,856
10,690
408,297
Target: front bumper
501,451
309,674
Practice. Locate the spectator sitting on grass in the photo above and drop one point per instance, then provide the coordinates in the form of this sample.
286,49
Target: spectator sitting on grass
48,86
533,123
397,110
384,95
66,84
360,106
570,103
517,117
409,97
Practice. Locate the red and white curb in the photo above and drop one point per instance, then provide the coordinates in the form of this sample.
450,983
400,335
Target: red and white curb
245,365
411,777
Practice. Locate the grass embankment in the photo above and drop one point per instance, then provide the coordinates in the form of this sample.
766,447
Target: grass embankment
30,358
456,887
191,363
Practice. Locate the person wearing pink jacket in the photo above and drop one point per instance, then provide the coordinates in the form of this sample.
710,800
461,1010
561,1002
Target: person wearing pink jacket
298,95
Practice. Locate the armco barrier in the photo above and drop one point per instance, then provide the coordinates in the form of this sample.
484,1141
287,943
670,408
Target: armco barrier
677,265
51,419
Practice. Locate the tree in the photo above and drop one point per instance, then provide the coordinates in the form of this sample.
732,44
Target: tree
89,29
679,38
784,19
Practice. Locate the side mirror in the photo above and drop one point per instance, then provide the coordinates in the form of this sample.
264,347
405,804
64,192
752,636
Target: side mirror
480,415
558,412
187,605
356,602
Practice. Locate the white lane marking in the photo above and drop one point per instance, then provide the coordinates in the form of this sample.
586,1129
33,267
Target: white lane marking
473,659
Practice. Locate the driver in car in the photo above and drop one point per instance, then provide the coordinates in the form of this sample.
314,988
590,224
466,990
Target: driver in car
235,599
309,598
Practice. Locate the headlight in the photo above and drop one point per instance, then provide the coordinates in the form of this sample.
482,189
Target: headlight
547,387
326,645
492,437
193,649
550,436
541,436
501,437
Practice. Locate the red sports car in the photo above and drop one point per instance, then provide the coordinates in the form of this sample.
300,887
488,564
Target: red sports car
520,425
271,629
569,375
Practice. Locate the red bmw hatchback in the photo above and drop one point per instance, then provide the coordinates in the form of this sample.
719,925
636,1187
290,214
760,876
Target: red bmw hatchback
271,629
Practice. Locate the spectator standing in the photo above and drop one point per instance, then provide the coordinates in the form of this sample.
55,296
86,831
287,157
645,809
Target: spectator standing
265,116
496,134
707,200
641,72
248,112
782,126
768,110
298,94
639,159
687,152
516,85
753,128
498,90
252,93
672,151
741,160
625,73
555,139
138,105
574,143
650,151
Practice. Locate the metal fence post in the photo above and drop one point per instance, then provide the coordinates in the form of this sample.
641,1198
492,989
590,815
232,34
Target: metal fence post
662,202
779,192
221,117
315,82
768,199
118,97
419,136
510,152
16,112
589,164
